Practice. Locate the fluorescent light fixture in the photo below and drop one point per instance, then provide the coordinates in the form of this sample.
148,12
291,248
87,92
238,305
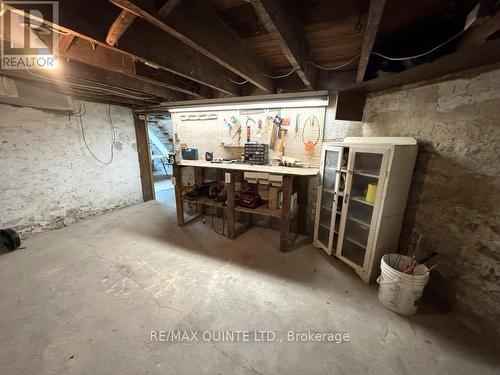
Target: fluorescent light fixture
292,103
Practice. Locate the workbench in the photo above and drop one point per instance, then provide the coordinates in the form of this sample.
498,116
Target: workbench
284,213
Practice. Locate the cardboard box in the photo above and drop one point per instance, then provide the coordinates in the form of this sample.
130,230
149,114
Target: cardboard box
263,191
250,177
263,178
276,179
273,197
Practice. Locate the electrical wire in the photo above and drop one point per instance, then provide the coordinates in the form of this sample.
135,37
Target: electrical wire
56,30
238,83
334,67
213,225
281,76
421,54
357,56
82,110
265,75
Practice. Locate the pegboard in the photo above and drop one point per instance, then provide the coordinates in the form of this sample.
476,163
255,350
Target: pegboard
209,134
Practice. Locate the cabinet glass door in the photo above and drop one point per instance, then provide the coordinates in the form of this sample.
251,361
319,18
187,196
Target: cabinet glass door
366,172
327,202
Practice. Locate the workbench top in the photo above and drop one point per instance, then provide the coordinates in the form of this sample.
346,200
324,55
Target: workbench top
293,171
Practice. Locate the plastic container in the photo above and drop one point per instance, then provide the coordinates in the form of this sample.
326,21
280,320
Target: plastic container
371,193
400,292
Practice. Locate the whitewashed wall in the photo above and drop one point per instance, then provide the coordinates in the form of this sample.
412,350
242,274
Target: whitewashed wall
47,177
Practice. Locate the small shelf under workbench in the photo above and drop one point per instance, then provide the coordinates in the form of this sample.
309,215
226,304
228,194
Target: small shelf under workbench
284,214
262,210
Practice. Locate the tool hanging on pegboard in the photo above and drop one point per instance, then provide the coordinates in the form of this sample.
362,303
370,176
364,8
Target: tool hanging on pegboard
313,123
236,124
249,129
275,133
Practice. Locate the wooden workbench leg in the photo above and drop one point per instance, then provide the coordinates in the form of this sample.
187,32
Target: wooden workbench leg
229,178
178,194
285,212
301,185
198,180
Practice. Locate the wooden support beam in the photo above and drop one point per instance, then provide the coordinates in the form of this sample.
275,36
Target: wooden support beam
172,55
189,23
105,59
162,50
479,58
280,19
64,42
108,59
83,51
125,19
141,134
285,212
166,79
374,16
168,8
481,30
121,24
61,88
177,181
125,81
82,77
231,198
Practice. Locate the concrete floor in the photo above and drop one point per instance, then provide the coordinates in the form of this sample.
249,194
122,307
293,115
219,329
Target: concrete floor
84,299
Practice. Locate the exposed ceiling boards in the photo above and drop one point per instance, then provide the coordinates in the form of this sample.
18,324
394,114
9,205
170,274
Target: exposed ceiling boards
187,49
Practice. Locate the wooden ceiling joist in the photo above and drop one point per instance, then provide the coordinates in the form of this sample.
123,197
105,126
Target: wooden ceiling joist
160,76
374,17
121,24
481,30
80,18
107,59
64,42
168,53
90,73
285,23
475,57
125,19
66,85
189,22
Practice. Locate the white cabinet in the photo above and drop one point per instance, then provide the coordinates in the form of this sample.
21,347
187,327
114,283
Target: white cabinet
364,185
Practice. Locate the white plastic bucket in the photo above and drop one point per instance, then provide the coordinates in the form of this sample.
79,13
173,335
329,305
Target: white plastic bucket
400,292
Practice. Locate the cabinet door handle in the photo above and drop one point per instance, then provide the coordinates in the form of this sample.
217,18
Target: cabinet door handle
346,198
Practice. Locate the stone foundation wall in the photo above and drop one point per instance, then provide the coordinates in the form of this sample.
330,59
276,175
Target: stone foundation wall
48,179
455,198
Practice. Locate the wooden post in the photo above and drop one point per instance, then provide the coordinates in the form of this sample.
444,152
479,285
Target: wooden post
302,186
229,178
178,194
141,134
285,212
